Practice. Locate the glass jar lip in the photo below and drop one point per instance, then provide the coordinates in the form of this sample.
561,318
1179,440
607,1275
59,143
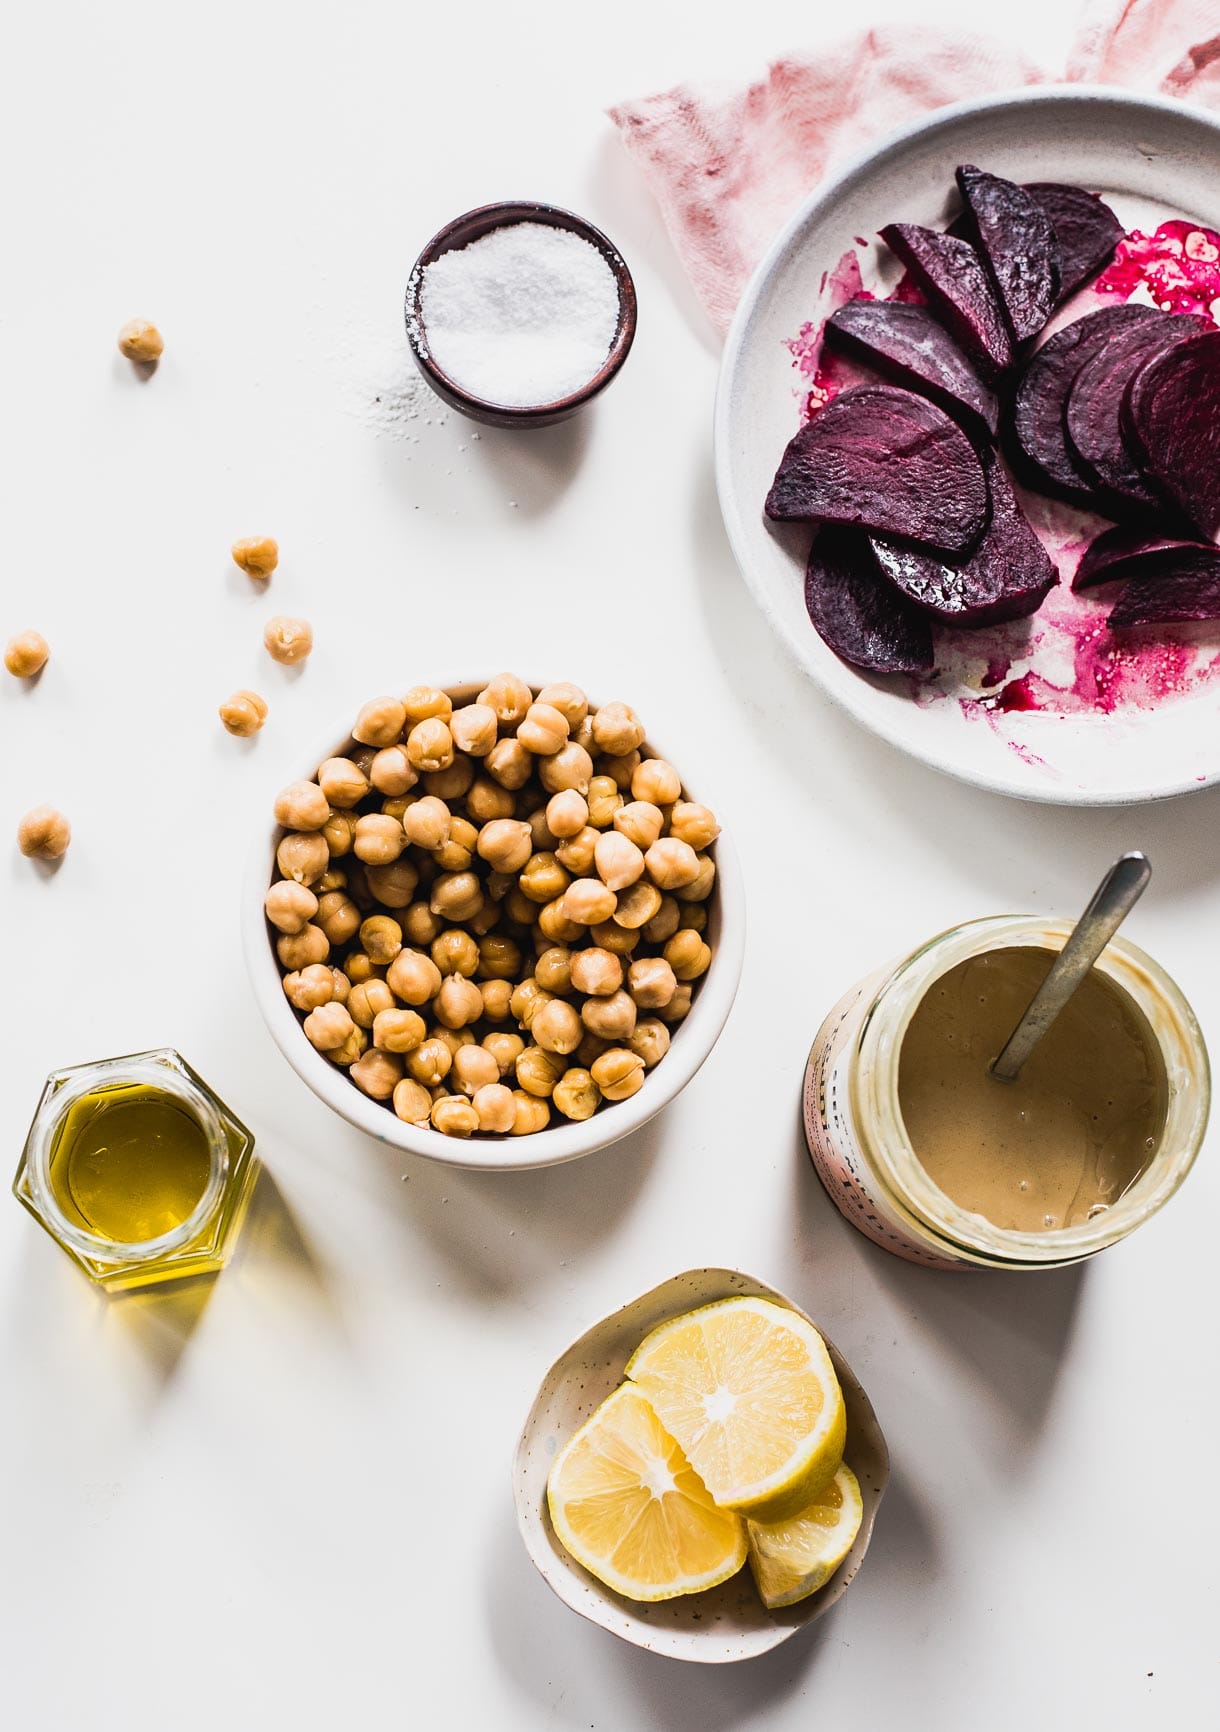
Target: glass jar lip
164,1070
874,1092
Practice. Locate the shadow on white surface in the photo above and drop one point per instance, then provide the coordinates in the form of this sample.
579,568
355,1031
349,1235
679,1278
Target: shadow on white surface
533,467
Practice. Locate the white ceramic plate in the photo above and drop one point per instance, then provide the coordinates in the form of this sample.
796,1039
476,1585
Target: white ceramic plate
1151,159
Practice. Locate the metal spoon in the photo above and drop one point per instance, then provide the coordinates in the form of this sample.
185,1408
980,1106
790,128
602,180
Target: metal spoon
1113,900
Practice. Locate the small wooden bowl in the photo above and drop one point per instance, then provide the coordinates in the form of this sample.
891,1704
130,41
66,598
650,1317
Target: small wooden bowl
470,227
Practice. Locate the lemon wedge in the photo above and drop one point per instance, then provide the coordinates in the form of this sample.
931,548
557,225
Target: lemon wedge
748,1390
627,1505
793,1559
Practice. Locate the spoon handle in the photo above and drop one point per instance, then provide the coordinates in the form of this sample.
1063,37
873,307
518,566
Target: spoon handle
1113,900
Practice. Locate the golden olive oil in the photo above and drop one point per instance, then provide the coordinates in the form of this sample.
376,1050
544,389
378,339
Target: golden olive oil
129,1164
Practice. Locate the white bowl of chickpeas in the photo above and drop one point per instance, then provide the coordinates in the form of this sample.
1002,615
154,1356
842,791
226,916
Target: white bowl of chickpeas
493,927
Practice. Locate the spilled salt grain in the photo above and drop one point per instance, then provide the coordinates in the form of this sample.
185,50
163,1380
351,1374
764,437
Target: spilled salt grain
523,316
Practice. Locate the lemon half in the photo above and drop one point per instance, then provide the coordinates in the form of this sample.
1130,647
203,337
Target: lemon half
627,1504
793,1559
748,1390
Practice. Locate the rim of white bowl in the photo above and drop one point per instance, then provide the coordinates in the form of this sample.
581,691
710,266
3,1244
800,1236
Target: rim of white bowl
894,732
692,1040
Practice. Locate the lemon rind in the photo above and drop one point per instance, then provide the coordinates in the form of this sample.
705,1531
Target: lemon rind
818,1577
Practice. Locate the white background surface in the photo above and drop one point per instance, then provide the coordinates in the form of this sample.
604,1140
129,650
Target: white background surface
290,1507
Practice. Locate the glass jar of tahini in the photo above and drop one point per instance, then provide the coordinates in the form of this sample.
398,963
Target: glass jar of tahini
931,1157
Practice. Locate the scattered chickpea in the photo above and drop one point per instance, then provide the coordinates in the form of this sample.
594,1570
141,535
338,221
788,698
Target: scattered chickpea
617,729
495,1106
612,1018
618,1073
289,905
141,341
473,1068
243,714
301,806
328,1026
544,730
26,655
530,1114
412,1102
257,555
576,1095
454,1116
651,982
414,977
672,864
287,640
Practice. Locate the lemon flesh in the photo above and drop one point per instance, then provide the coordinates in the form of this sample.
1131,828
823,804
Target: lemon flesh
793,1559
627,1504
748,1390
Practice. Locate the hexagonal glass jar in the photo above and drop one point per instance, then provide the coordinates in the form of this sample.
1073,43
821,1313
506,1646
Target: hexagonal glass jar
200,1242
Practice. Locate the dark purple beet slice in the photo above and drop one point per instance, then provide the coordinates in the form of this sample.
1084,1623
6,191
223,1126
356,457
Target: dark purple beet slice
909,345
1094,410
1016,242
1187,589
1127,551
1006,577
951,275
884,460
856,612
1172,414
1039,436
1086,232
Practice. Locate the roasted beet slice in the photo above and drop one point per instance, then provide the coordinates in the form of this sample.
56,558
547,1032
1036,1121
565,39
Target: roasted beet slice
951,275
1039,436
1086,232
857,613
1094,410
1172,415
911,347
1006,577
1127,551
1189,588
1016,242
889,461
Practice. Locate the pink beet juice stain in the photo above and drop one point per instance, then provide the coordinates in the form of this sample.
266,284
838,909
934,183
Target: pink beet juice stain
1178,267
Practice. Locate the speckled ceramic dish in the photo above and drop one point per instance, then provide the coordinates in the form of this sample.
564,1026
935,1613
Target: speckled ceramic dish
726,1623
1151,159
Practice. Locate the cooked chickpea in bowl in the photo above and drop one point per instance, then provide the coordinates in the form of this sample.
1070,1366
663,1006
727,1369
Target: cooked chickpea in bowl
490,911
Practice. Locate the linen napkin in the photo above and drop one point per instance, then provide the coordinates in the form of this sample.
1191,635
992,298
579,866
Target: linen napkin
729,164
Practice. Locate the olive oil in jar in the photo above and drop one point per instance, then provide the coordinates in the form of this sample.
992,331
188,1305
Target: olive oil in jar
129,1163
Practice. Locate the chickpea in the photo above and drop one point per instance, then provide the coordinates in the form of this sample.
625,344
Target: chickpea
694,916
567,813
473,1069
695,824
499,958
505,844
430,745
455,952
485,918
568,699
650,1041
509,764
453,781
347,1054
618,1073
672,864
474,729
596,972
368,999
419,924
423,702
242,715
362,757
412,1102
339,833
395,884
576,1094
381,937
334,878
141,341
380,722
427,822
287,640
454,1116
338,916
588,901
392,772
307,988
539,1071
619,862
611,1018
328,1026
456,854
342,783
289,905
360,969
506,1049
665,921
430,1062
604,801
651,982
456,895
638,904
688,955
299,949
678,1005
592,1047
458,1003
257,555
556,1027
553,969
576,854
495,1107
543,731
454,1038
396,1030
497,996
530,1114
301,806
640,821
543,878
413,977
620,770
509,697
554,924
377,1073
379,839
525,998
487,801
610,935
700,887
570,767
